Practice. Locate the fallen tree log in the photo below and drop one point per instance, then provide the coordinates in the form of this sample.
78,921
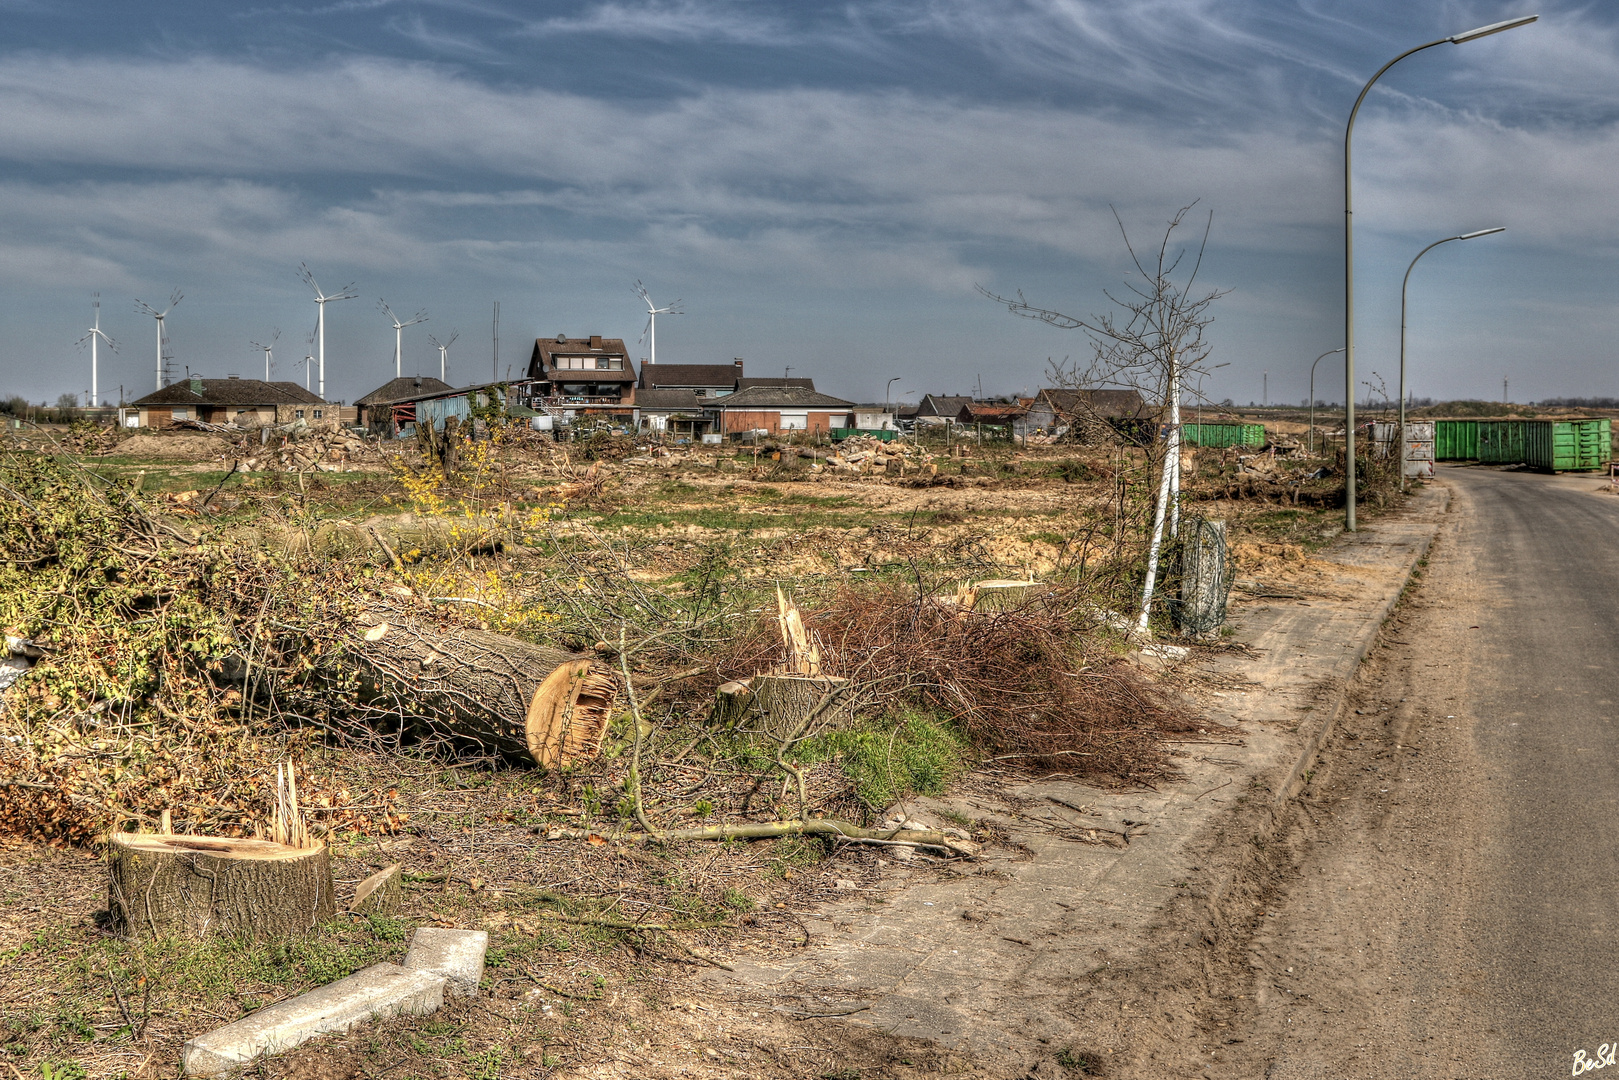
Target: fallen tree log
943,842
510,696
161,885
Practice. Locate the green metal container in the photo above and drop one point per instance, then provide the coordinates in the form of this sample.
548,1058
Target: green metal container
881,434
1221,435
1567,445
1455,440
1500,442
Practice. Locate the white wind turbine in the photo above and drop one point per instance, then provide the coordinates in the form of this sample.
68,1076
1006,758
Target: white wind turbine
650,334
267,350
399,331
90,335
443,348
141,305
321,300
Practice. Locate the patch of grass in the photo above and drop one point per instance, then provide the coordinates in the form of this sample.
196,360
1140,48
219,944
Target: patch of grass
910,753
1083,1062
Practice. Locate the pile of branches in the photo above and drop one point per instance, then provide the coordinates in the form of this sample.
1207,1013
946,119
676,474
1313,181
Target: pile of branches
157,645
1038,687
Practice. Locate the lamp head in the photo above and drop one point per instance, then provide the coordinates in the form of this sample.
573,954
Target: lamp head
1493,28
1482,232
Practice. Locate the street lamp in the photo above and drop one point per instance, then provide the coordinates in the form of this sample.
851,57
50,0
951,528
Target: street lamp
1403,285
886,390
1349,250
1202,372
1318,359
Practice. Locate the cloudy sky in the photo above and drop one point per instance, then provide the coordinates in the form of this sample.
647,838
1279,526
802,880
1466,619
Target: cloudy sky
823,184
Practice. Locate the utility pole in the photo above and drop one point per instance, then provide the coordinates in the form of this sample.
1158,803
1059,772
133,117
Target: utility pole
1504,398
494,366
1264,393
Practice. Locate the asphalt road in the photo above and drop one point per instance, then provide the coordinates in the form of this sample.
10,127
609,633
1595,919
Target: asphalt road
1542,692
1454,907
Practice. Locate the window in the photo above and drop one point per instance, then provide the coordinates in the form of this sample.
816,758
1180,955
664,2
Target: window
609,363
297,414
317,414
182,412
794,420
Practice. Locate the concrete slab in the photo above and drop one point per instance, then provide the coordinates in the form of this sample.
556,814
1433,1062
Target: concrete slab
377,992
455,954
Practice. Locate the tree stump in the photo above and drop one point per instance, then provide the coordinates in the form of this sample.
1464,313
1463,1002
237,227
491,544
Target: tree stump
381,893
781,705
163,885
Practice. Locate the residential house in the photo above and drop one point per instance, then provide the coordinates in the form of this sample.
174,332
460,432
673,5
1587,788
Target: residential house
234,400
582,376
990,414
940,409
435,403
782,410
376,408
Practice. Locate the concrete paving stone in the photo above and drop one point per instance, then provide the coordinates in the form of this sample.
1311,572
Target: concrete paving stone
455,954
377,992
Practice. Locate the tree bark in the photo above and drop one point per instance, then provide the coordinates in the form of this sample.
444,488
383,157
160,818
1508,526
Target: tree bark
548,705
161,885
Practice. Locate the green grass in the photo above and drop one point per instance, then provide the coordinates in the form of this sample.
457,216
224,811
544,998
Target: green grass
886,759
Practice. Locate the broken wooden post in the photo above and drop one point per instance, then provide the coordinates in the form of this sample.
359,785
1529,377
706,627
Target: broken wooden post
381,893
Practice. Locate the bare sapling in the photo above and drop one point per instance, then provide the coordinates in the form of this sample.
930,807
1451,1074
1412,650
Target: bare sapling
1152,342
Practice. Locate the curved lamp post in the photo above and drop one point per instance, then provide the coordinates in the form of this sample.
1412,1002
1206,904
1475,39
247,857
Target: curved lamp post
1349,251
1403,285
1318,359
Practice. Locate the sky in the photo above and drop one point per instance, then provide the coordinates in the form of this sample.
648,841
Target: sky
823,185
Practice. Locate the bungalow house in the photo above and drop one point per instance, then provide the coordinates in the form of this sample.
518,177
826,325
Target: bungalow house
375,408
435,402
782,410
234,400
677,412
990,414
711,380
940,409
703,380
591,375
1102,414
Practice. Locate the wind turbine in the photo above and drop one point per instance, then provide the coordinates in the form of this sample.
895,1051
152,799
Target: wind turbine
267,350
650,334
443,348
90,335
309,358
321,300
141,305
399,331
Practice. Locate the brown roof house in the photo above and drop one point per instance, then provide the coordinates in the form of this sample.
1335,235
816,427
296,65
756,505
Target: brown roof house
583,375
782,410
704,380
940,408
676,412
244,402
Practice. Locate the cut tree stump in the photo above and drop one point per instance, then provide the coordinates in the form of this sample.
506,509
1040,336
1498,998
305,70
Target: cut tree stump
189,886
781,705
381,893
509,696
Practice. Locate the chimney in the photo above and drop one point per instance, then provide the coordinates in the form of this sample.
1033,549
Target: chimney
737,361
233,376
595,341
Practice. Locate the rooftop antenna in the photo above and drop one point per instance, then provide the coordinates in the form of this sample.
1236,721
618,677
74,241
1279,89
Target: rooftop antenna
494,334
650,334
159,316
267,349
90,335
443,348
399,332
321,300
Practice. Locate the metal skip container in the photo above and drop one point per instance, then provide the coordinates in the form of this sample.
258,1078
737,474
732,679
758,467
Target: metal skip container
1417,459
1500,442
1567,445
1223,435
1456,440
